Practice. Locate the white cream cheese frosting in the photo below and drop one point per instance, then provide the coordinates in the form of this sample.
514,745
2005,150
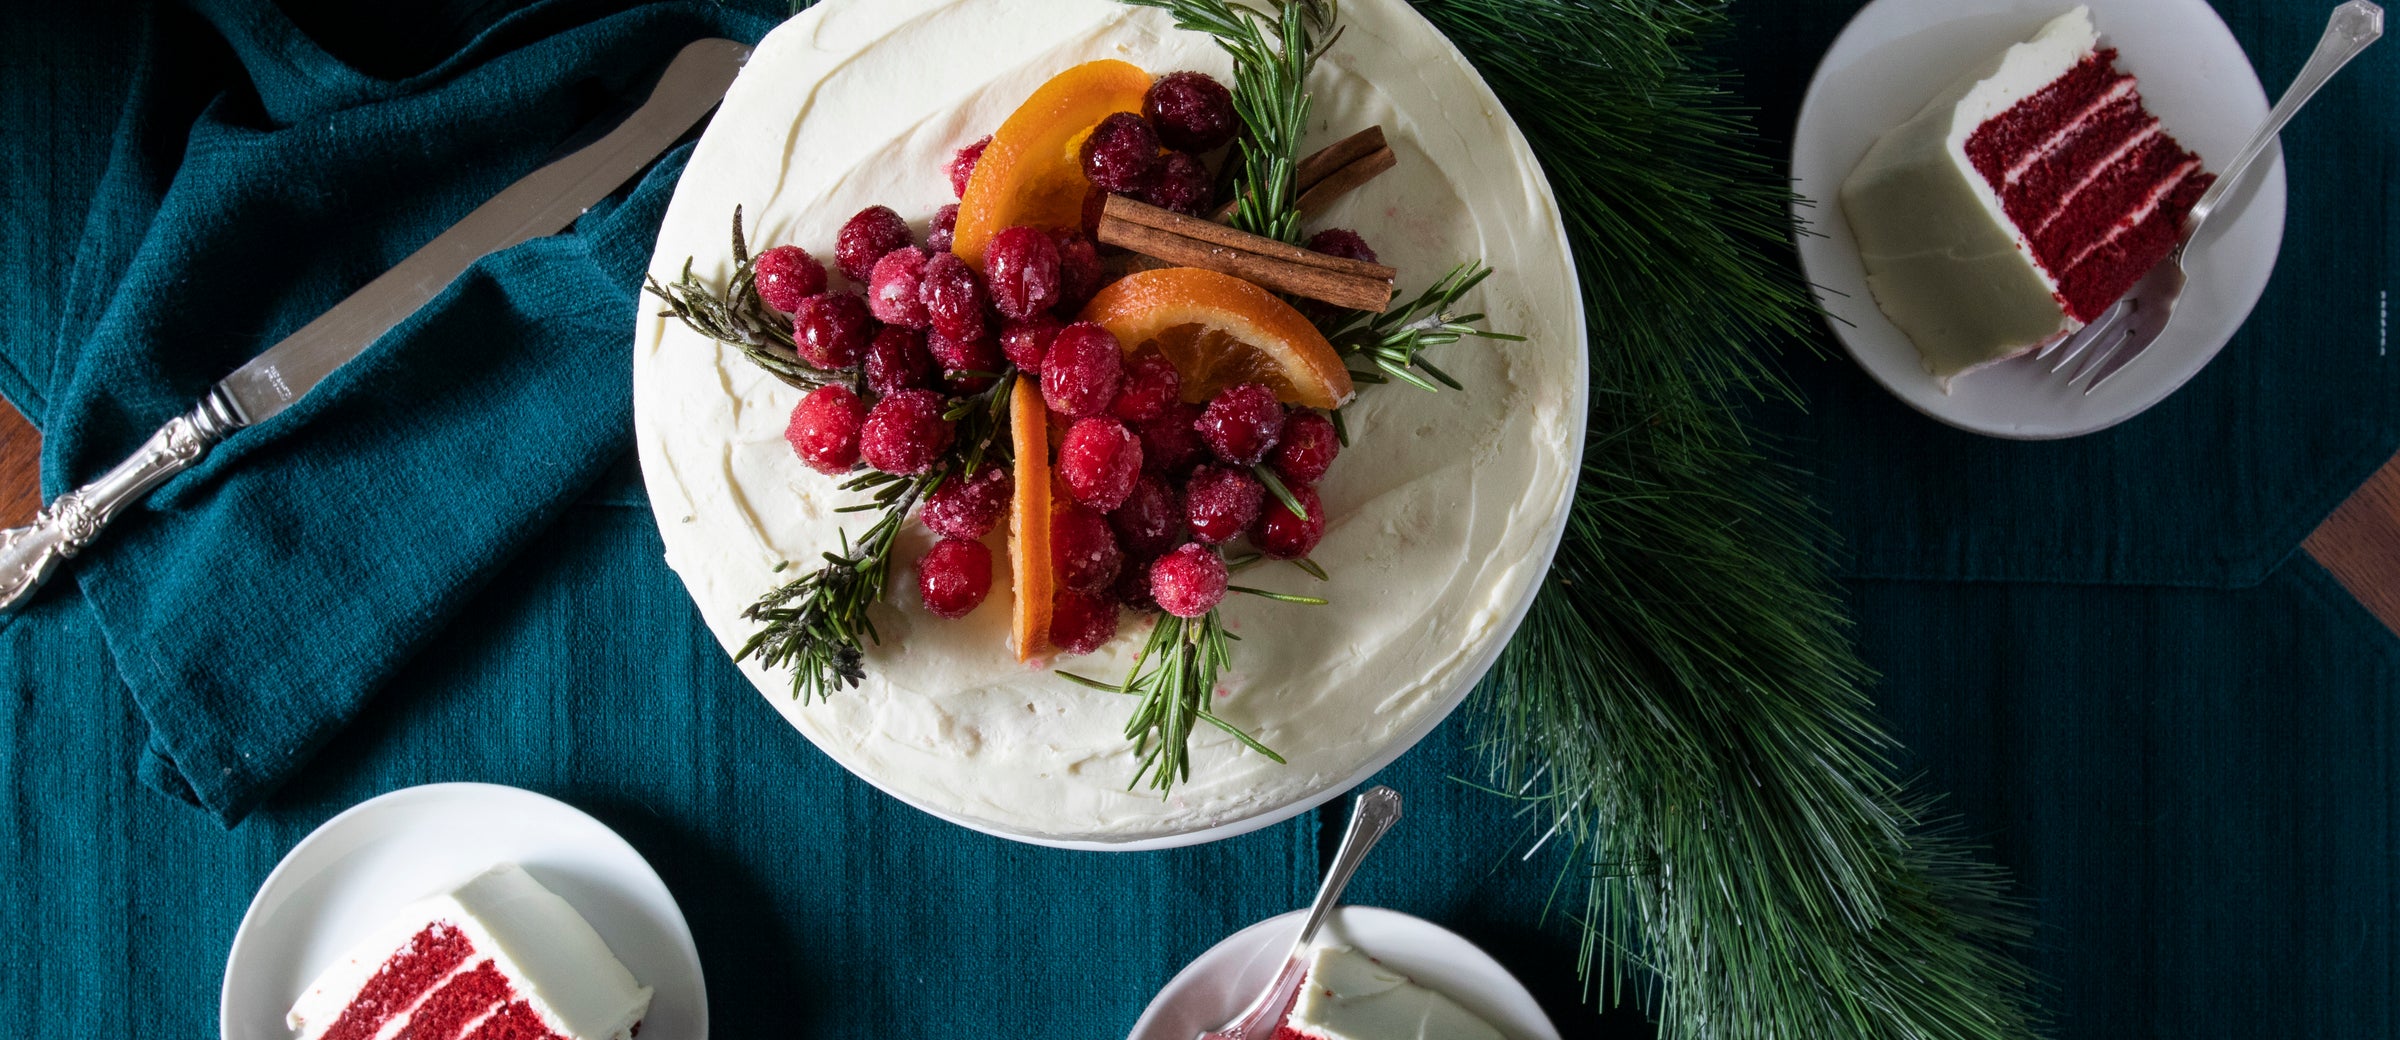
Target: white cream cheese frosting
1348,996
1943,259
1443,512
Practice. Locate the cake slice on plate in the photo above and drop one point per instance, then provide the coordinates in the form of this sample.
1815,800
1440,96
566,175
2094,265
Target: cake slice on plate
498,958
1348,996
2020,203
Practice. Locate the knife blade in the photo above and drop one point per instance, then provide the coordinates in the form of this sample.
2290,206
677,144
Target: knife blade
541,203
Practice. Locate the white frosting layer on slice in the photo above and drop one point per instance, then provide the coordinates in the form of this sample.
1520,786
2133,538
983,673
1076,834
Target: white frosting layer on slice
1943,259
558,965
1348,996
1443,512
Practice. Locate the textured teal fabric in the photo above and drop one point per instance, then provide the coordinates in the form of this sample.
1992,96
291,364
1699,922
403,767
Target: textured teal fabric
254,180
2179,737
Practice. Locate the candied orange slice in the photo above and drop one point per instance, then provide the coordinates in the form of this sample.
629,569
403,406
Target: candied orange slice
1218,330
1029,518
1032,173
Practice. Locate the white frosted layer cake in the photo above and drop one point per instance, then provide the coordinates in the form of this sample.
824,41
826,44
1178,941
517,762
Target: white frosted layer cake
2020,203
497,958
1348,996
1443,510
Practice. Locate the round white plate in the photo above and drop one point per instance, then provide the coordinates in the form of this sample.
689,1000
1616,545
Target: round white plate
349,876
947,721
1897,53
1218,984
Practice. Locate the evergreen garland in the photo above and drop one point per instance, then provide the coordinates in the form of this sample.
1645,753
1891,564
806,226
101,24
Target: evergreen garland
1683,704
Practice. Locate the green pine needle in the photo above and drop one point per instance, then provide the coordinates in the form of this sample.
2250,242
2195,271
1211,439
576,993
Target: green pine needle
1683,705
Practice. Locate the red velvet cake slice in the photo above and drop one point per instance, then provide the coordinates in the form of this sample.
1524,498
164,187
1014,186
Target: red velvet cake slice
2020,203
498,958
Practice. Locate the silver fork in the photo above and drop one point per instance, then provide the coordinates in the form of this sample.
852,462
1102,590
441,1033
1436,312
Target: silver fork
2128,327
1373,814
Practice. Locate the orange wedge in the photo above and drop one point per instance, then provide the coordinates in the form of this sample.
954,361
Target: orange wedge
1218,330
1029,519
1032,174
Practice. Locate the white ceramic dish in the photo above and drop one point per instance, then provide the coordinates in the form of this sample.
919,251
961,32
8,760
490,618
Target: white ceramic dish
948,722
1216,985
351,874
1897,53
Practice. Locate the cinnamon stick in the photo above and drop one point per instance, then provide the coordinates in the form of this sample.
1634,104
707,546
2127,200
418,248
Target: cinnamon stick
1356,159
1193,242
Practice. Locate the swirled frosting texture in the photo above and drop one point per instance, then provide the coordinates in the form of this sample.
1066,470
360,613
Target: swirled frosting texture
1442,514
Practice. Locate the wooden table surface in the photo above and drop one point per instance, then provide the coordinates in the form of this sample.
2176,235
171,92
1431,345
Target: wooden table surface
2359,543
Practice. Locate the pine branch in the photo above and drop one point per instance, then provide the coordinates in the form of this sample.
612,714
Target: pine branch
1683,705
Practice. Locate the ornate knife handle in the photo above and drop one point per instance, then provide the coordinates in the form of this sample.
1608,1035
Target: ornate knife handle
29,555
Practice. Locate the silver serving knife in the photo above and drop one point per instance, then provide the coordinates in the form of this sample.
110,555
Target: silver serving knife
542,203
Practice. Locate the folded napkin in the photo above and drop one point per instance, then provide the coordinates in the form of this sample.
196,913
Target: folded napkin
254,179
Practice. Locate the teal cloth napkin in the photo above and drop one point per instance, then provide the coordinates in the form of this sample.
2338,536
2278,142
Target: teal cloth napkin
253,180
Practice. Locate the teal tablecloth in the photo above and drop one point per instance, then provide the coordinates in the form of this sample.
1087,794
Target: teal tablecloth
2178,734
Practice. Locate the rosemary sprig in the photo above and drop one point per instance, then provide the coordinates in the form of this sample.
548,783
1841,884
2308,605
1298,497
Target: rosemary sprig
817,626
736,316
1393,344
1175,675
1270,94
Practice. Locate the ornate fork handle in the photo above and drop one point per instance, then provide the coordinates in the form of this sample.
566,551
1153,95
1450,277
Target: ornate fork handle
2352,27
30,554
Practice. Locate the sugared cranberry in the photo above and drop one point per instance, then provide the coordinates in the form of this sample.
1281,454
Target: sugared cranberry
1306,449
1282,534
1027,342
940,235
980,354
1082,370
962,165
1149,386
786,275
969,507
1342,242
1150,521
1020,270
1083,550
905,433
876,230
1133,587
953,296
954,577
1120,154
1242,424
1188,582
1079,272
960,356
831,329
1081,622
1191,111
1181,184
895,291
897,361
1221,502
1099,461
1171,443
824,428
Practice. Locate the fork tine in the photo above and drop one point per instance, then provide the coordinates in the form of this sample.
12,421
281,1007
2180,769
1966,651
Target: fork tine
2099,359
2092,333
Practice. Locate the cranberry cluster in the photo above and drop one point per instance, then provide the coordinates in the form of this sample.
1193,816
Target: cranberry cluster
926,330
1155,483
1158,485
1155,156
